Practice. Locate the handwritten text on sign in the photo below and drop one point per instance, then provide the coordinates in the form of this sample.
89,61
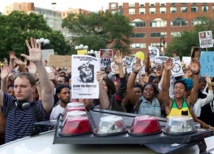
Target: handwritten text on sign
207,63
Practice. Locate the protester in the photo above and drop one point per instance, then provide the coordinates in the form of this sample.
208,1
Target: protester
23,111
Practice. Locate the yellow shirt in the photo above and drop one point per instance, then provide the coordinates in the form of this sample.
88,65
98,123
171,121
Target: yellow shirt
175,111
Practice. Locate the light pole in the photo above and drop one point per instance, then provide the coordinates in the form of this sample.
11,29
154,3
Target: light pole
43,41
162,40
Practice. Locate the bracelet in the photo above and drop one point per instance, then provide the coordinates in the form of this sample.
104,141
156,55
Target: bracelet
195,73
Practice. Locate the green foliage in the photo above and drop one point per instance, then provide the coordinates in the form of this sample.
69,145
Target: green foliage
19,26
100,30
182,44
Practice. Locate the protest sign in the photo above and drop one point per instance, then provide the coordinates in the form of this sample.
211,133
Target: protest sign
207,63
153,52
186,60
46,53
177,68
59,61
160,59
82,52
106,56
84,83
205,39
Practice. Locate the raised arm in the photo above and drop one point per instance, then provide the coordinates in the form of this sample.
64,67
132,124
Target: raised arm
195,68
35,56
163,96
130,93
103,96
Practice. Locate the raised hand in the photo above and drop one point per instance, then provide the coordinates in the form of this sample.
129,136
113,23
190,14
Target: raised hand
208,79
138,65
194,65
168,65
119,57
32,68
34,50
12,55
5,70
99,76
18,61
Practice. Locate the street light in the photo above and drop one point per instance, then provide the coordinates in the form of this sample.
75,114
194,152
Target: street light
43,41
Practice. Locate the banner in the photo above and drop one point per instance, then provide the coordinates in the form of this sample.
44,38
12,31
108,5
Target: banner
84,82
205,39
207,63
160,59
59,61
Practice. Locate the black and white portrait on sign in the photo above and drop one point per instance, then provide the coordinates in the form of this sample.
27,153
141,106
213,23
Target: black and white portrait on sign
84,83
86,73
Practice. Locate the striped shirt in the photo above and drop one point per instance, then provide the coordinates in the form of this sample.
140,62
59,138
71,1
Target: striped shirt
19,122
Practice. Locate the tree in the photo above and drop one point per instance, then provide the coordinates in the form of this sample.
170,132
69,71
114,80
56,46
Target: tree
182,44
19,26
100,30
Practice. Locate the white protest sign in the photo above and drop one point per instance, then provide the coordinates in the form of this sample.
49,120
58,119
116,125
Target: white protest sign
205,39
84,83
46,53
160,59
153,52
142,71
177,68
186,60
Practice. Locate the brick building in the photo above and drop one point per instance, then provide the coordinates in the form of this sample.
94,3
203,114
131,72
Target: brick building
156,23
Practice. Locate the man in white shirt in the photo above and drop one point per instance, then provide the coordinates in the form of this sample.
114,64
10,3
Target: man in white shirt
64,95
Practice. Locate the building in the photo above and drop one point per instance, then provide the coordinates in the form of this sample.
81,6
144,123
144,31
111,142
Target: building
155,24
26,7
65,13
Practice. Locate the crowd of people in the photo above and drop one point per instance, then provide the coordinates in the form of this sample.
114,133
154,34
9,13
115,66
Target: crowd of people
30,94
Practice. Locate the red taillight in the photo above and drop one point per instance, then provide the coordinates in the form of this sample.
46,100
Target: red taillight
68,109
76,126
143,125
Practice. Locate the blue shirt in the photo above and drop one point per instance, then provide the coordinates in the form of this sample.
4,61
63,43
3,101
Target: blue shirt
20,121
147,108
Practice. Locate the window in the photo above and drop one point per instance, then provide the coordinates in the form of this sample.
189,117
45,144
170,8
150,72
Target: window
199,21
162,4
184,9
175,34
152,10
138,24
138,45
113,6
163,10
178,22
194,9
131,5
120,11
204,8
172,4
113,12
159,34
213,8
131,11
194,3
138,35
141,4
158,22
142,11
152,4
173,9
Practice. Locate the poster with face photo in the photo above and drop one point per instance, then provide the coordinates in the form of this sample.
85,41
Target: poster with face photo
153,52
84,83
106,56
